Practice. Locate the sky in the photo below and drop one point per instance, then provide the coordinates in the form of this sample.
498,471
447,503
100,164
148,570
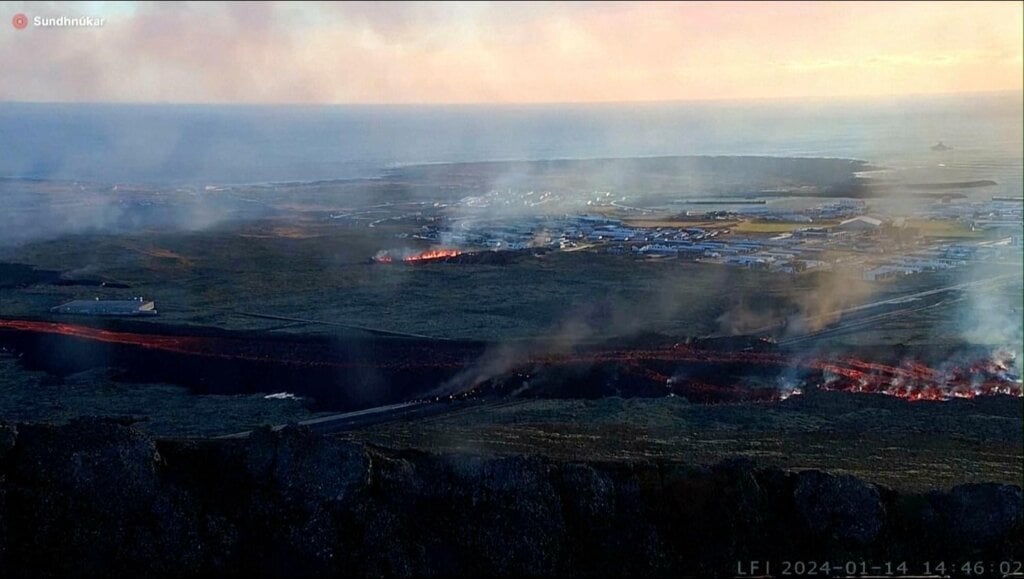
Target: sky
508,52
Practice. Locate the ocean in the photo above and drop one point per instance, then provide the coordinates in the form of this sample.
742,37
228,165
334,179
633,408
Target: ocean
205,144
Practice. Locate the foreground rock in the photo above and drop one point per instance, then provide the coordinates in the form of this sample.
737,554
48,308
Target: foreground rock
94,498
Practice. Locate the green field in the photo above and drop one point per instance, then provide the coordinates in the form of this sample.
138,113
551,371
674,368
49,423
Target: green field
943,228
772,226
915,446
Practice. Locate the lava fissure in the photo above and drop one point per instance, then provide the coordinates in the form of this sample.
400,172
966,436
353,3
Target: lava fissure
701,374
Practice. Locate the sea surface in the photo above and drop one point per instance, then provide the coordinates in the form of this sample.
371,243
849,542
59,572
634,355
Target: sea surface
204,145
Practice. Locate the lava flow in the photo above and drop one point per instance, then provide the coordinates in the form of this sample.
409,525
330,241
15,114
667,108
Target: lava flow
914,381
432,254
701,375
722,376
421,257
242,347
177,344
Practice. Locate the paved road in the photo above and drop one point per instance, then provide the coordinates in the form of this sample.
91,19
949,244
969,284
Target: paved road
908,304
361,418
366,329
906,300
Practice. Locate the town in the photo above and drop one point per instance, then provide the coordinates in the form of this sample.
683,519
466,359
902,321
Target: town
802,235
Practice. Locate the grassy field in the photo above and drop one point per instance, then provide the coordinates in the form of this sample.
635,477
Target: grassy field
653,223
908,446
927,227
944,228
163,409
773,226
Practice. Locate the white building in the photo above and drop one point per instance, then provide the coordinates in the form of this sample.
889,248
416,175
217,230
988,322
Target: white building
98,307
888,272
658,248
862,223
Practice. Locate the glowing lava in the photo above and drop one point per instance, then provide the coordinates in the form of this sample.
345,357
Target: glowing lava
708,375
914,381
179,344
431,254
910,380
421,257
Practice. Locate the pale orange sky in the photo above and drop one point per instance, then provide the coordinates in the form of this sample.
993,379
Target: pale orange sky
510,53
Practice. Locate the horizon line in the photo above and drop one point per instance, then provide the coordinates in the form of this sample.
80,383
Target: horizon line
736,100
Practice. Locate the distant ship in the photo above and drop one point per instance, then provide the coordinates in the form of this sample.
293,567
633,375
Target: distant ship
941,147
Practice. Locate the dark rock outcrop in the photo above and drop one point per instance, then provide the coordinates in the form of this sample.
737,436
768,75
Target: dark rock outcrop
842,508
96,498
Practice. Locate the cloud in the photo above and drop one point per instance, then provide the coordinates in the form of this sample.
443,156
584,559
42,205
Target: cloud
370,52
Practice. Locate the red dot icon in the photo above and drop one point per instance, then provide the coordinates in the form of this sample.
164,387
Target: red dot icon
19,21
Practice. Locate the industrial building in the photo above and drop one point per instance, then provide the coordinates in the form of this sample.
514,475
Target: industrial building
888,272
861,223
98,307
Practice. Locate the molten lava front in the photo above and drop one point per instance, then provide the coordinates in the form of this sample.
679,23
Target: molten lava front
705,376
429,255
735,376
178,344
914,381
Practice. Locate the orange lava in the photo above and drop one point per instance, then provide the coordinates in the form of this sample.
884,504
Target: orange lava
909,380
228,348
180,344
432,254
421,257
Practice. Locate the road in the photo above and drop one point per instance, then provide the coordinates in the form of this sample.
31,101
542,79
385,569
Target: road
361,418
368,330
908,304
908,301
